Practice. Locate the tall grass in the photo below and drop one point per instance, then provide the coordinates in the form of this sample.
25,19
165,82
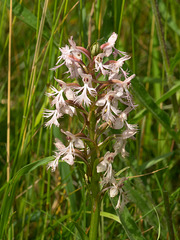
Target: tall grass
38,204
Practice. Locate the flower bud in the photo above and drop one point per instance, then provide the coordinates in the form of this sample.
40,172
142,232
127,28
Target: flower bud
95,49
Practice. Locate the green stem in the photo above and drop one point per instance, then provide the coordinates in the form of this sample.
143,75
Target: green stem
95,216
95,207
164,51
168,215
161,38
94,187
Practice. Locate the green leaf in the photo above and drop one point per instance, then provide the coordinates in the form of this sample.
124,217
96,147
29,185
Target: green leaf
121,171
128,223
174,61
149,103
154,161
40,113
10,190
110,216
81,231
138,197
167,17
58,222
167,95
66,173
130,226
26,16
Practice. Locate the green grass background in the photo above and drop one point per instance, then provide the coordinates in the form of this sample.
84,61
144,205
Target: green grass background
38,204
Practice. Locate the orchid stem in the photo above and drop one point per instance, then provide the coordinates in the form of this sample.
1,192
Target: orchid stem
95,207
95,188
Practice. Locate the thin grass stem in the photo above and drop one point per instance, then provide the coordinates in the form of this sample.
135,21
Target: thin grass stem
9,93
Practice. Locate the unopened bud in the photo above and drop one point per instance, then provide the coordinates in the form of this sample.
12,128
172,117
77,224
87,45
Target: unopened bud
95,49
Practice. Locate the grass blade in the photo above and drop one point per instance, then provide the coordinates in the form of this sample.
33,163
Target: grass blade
161,116
163,98
11,189
129,224
26,16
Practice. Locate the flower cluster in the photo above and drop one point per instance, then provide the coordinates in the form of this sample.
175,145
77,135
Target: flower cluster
99,91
